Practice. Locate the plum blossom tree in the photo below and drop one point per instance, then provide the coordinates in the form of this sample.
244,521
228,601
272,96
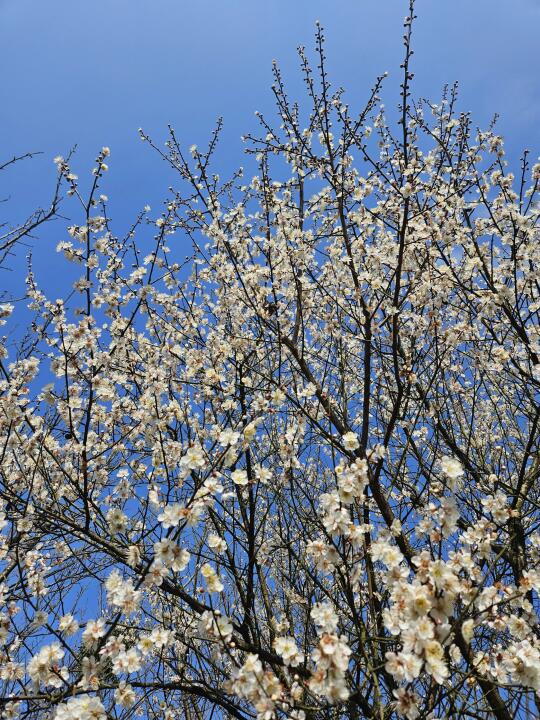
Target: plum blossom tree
296,476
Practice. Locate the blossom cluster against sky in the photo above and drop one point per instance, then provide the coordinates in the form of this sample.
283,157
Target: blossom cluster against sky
91,73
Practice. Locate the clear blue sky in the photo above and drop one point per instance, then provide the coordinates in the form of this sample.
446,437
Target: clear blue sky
90,72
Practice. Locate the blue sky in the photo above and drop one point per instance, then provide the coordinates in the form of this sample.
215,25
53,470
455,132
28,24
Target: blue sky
91,72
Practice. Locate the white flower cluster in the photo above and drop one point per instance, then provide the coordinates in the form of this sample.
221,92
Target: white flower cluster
216,626
331,657
83,707
122,594
45,669
261,687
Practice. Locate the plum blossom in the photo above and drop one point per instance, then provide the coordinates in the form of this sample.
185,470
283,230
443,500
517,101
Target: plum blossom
82,707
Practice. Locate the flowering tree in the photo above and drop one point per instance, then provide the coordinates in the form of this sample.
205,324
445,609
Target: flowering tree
297,476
